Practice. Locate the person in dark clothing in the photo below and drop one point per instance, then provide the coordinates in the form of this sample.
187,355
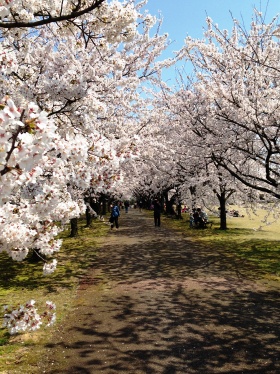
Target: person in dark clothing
115,213
140,205
126,206
195,217
157,212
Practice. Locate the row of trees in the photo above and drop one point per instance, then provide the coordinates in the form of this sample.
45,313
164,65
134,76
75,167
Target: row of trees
85,114
218,131
72,76
71,101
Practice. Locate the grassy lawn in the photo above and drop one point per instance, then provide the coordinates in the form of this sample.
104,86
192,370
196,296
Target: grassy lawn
22,281
246,237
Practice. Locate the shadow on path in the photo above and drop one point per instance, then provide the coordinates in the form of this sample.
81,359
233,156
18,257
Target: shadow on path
157,303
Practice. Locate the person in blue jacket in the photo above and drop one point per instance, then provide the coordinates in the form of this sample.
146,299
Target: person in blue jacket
115,213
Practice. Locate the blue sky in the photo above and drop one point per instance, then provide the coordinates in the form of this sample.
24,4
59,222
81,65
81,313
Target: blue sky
183,18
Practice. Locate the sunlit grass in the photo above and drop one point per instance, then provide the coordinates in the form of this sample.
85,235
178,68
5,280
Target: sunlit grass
247,237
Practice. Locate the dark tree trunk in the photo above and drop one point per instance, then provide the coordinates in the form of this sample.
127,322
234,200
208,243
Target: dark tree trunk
162,202
179,210
109,205
223,213
104,207
95,205
168,204
193,196
88,218
74,227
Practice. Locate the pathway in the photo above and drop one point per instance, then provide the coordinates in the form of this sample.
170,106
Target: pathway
157,303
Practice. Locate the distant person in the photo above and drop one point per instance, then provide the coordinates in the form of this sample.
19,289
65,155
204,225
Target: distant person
202,218
195,215
140,205
157,212
192,224
126,206
115,213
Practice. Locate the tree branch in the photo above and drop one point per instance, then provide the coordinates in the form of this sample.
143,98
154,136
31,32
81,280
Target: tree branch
49,19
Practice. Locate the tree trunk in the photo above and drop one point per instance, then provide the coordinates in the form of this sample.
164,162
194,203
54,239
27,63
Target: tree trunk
193,196
74,227
223,213
179,210
168,204
88,218
104,206
95,205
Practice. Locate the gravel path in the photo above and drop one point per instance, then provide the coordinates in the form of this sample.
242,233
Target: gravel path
157,303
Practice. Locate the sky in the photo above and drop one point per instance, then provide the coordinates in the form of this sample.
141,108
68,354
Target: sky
183,18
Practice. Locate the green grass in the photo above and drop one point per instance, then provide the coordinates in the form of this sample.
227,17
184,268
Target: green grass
22,281
247,238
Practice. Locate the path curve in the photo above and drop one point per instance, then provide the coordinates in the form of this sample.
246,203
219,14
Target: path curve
157,303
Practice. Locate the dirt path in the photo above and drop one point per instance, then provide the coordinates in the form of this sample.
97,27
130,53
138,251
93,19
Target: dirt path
155,303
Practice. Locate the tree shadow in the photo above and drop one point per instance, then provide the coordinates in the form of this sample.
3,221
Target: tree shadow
159,303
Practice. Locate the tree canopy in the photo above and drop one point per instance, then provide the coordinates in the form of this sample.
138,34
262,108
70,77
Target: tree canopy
84,111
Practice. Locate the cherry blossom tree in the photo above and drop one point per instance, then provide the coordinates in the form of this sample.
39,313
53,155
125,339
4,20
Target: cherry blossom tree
96,92
186,161
71,91
236,80
226,113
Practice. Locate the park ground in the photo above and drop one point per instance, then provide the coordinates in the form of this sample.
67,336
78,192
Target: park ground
155,301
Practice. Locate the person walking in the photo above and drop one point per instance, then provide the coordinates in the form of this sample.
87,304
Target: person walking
157,212
115,213
126,206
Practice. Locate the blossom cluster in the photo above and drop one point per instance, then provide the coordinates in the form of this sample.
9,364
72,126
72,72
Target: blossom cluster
26,317
33,180
112,20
